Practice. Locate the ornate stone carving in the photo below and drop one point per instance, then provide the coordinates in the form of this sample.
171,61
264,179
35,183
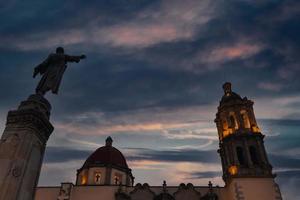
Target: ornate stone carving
65,191
238,192
186,192
164,195
210,195
16,171
142,192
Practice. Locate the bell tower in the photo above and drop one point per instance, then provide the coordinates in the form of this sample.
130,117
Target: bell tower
243,155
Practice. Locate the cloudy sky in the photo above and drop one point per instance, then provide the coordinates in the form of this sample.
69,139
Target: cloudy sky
152,80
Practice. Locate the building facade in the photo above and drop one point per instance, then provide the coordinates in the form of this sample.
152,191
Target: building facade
247,172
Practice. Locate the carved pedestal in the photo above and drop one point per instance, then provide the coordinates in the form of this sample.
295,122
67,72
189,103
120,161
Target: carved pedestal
22,148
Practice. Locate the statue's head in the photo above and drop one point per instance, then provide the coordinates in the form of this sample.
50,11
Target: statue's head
60,50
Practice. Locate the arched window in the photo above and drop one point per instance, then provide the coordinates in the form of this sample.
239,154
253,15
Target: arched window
253,154
224,123
245,119
232,120
240,155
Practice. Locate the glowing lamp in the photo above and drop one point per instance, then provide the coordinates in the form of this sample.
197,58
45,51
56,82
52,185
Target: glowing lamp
225,133
233,170
83,180
255,129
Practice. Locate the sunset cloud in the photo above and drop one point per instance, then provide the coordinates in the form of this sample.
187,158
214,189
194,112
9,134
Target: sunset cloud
117,128
169,22
158,24
231,52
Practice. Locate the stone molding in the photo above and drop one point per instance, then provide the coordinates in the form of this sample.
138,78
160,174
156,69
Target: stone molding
141,191
189,188
32,120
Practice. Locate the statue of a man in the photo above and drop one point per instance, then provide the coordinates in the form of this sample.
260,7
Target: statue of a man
52,71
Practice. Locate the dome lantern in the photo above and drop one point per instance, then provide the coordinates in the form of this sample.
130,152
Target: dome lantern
227,88
109,141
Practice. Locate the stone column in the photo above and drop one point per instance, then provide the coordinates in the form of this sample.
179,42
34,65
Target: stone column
108,176
247,152
22,147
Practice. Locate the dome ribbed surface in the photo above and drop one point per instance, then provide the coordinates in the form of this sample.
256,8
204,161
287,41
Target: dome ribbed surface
106,155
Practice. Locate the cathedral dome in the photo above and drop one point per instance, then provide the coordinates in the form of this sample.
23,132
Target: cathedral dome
106,166
106,156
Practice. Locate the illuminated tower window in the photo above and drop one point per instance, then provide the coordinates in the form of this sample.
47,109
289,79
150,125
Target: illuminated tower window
117,179
245,119
233,122
97,178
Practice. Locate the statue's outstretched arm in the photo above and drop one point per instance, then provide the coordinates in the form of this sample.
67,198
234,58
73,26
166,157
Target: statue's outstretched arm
74,58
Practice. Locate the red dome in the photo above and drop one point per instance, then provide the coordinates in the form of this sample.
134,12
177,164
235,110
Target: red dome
106,155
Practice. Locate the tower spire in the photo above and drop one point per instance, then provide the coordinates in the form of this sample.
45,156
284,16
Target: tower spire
241,142
227,88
